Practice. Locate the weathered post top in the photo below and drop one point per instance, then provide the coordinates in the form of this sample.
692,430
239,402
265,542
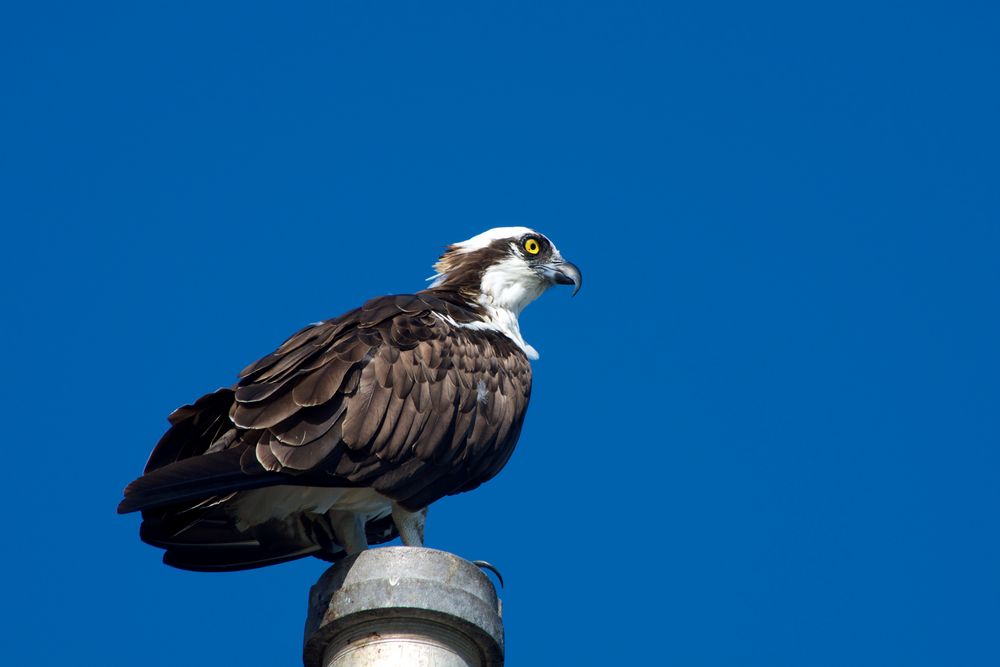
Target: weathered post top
403,606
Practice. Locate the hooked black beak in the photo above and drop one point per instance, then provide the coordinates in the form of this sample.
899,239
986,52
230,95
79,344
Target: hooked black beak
562,273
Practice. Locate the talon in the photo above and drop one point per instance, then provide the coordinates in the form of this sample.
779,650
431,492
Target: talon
482,564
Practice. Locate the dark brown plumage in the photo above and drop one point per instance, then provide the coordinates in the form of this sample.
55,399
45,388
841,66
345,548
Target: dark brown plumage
409,396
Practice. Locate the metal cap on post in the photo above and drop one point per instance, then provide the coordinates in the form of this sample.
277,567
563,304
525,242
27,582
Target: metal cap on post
402,606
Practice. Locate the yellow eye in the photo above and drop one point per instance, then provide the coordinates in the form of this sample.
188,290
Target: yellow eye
531,246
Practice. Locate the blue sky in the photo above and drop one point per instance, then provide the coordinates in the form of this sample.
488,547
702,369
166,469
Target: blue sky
765,432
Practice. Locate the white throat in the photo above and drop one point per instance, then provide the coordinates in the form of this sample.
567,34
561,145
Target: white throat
510,285
504,321
506,289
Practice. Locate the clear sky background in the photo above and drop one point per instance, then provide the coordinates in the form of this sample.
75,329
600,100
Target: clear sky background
766,431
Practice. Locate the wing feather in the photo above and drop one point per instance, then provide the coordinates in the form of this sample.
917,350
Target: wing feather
265,414
320,385
308,424
388,396
366,411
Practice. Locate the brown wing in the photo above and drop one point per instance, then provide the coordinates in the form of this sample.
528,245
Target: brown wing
389,396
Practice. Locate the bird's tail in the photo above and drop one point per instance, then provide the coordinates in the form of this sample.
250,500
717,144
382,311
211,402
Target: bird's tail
207,540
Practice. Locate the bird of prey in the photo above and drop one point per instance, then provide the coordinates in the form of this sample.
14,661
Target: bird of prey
345,434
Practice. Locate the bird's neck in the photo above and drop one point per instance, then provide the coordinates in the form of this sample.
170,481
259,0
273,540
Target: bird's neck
486,313
504,320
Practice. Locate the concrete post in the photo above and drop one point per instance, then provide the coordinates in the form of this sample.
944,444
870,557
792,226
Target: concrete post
403,606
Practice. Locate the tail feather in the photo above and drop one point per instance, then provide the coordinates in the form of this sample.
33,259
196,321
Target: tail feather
207,540
211,542
194,479
234,558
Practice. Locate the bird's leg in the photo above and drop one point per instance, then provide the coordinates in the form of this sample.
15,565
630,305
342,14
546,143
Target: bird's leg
410,525
349,528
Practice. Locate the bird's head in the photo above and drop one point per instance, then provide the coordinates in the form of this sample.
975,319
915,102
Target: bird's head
505,268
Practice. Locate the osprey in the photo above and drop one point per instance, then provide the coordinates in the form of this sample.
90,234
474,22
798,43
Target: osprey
345,434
